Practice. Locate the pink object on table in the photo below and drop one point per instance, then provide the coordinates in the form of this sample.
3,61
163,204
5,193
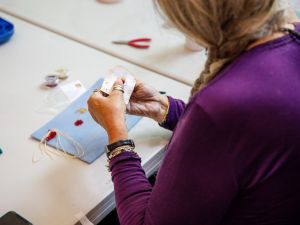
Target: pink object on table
135,43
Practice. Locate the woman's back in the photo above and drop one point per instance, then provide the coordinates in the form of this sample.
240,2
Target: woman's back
261,94
242,163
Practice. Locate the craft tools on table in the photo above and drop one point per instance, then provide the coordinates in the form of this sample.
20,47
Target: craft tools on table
136,43
73,133
62,73
57,98
1,151
6,30
53,79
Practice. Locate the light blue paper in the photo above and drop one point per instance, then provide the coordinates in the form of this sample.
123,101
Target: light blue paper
91,136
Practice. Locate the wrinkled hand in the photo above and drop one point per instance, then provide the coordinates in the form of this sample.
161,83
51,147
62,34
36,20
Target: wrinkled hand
146,101
109,112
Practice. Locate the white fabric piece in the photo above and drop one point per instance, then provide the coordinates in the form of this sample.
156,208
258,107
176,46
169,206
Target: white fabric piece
117,73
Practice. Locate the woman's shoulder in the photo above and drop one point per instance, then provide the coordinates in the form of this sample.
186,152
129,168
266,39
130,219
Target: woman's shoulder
256,79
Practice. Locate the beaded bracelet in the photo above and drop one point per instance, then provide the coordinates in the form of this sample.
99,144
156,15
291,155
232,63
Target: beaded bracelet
121,143
118,151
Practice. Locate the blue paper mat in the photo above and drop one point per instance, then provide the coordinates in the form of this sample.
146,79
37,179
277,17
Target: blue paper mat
91,136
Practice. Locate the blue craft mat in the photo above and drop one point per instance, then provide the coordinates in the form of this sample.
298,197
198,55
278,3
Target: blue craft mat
91,136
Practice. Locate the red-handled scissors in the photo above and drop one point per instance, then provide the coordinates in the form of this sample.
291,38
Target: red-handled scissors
135,43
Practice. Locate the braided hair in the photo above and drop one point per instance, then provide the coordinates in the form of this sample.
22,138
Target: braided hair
225,27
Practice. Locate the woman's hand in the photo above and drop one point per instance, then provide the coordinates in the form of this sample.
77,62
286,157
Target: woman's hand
109,112
146,101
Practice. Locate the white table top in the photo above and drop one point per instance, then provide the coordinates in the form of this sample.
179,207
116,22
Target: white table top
97,25
53,191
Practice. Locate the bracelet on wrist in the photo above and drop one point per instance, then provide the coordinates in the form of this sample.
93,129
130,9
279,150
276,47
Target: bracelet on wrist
113,146
117,151
134,155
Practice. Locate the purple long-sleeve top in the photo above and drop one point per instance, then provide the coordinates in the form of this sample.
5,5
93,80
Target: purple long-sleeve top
234,156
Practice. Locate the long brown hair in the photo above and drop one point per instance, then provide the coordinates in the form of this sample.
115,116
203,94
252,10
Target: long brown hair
225,27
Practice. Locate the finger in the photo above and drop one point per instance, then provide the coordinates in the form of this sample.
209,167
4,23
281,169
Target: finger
118,88
138,84
95,99
92,109
98,94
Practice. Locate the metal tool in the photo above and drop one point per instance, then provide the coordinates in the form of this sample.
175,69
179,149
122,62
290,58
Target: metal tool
135,43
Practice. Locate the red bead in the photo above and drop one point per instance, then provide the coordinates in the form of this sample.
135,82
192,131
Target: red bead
52,134
78,123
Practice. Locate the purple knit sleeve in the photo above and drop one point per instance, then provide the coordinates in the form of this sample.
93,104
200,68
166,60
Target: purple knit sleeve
176,108
132,188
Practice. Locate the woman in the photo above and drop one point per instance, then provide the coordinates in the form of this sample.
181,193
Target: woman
234,157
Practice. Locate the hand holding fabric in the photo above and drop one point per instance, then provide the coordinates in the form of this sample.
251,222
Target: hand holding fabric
109,112
146,101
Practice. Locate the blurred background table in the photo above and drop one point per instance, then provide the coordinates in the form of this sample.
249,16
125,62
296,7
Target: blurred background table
96,25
